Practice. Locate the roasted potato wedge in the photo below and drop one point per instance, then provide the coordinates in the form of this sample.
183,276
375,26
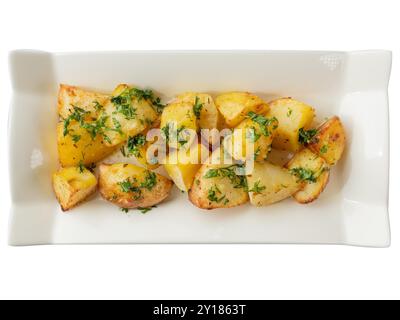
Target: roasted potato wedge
127,114
73,185
71,96
206,112
292,116
178,124
218,186
310,170
330,141
182,165
130,186
269,183
234,106
78,146
253,135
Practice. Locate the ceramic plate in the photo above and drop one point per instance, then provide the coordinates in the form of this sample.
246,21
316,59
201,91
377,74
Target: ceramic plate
353,209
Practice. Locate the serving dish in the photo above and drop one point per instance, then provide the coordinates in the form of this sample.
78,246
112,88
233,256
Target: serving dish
353,85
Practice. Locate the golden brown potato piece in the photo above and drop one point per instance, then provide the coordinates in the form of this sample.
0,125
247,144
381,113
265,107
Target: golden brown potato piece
330,141
218,186
312,171
269,183
258,131
70,96
73,185
130,186
183,165
235,106
127,114
206,112
292,116
77,146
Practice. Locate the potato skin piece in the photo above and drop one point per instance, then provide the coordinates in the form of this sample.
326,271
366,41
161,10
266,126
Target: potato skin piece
72,186
330,141
310,191
234,106
86,150
110,177
292,116
275,184
222,187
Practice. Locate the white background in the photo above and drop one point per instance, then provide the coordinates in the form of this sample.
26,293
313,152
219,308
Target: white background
199,271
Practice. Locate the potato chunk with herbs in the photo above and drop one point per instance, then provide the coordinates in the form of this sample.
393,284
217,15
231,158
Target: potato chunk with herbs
329,141
178,124
219,186
235,106
293,116
207,114
70,97
73,185
310,170
129,112
77,145
130,186
269,183
256,133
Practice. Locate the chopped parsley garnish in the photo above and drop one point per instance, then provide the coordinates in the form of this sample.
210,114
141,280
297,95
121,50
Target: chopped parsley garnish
78,115
197,107
257,188
133,145
169,134
257,152
123,102
150,181
117,126
130,185
304,174
125,210
289,113
264,122
144,210
238,181
252,135
324,149
215,195
81,167
76,138
305,136
97,106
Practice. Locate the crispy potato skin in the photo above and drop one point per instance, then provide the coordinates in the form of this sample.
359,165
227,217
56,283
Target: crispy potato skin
234,106
86,150
274,183
201,187
110,177
310,191
209,114
330,141
292,116
72,186
145,117
69,96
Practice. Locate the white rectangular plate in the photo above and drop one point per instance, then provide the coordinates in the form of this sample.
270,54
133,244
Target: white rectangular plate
352,210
